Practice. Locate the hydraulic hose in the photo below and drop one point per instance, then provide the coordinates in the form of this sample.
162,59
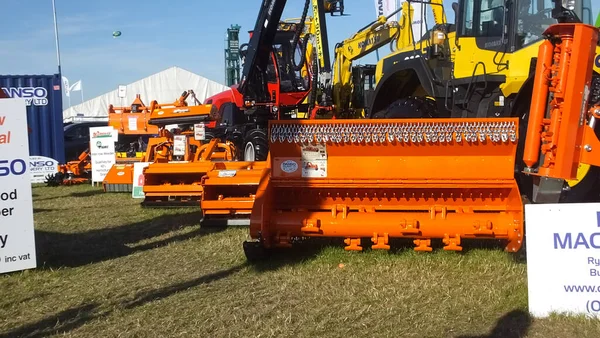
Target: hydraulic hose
296,39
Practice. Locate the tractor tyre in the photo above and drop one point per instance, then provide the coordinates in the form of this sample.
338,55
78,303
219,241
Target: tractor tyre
256,145
408,108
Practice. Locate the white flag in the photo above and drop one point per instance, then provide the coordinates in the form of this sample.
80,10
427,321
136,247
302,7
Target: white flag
76,86
385,8
418,16
66,86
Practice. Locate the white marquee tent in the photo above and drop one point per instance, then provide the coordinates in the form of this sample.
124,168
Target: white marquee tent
164,87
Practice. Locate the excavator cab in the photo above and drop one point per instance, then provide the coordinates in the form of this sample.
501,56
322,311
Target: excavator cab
363,80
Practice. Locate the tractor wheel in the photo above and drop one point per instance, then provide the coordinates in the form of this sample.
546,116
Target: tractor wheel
408,107
256,145
255,252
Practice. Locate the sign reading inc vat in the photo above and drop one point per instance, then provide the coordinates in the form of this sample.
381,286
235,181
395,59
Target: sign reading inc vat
102,151
17,240
563,258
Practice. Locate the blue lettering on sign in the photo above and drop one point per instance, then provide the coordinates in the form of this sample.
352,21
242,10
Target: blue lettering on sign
581,241
41,163
597,61
14,167
38,96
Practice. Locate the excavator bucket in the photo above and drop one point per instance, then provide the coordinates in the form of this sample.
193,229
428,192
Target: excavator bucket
434,179
229,191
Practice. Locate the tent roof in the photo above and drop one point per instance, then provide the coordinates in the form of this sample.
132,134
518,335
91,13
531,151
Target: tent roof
164,87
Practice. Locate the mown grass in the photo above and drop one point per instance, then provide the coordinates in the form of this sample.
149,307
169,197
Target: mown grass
108,267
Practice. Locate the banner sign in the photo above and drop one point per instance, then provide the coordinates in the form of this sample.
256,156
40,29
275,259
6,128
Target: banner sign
17,238
40,167
102,151
563,258
137,190
387,7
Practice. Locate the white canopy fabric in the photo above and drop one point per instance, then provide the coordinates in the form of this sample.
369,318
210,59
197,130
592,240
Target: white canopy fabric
164,87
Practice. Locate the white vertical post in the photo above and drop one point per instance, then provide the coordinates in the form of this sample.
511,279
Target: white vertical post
56,35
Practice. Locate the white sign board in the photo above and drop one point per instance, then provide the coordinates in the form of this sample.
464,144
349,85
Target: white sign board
179,145
40,167
102,151
122,91
199,132
137,190
563,258
314,161
17,239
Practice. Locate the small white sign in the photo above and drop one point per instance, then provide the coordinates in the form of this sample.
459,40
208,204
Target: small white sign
133,123
227,173
137,190
122,91
563,258
314,152
314,161
199,132
179,145
17,239
102,151
40,167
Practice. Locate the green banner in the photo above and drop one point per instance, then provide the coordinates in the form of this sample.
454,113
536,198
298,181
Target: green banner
598,20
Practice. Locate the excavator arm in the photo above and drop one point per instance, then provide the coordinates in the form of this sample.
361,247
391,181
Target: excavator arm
253,85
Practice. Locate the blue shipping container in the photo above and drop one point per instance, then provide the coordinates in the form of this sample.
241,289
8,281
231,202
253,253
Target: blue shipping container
44,111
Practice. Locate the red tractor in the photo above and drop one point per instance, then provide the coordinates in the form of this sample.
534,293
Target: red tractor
272,85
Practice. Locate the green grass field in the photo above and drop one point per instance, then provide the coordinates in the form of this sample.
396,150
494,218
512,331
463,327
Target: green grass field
109,268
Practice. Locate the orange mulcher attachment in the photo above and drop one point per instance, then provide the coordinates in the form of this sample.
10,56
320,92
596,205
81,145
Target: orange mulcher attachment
170,182
132,120
72,172
229,191
424,179
560,133
180,161
136,121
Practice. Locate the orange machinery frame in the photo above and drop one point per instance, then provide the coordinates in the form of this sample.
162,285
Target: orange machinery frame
134,120
561,130
176,180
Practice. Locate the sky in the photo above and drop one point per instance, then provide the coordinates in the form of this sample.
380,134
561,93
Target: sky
155,36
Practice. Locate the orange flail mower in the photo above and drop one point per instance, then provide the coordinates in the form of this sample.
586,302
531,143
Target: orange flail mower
180,159
448,179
